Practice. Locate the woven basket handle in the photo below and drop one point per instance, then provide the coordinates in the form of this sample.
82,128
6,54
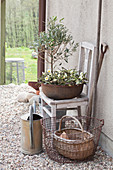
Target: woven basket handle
72,118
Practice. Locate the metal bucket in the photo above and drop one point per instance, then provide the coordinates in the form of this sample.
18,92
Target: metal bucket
31,133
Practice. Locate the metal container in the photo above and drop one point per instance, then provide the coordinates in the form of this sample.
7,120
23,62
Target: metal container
60,92
34,84
31,133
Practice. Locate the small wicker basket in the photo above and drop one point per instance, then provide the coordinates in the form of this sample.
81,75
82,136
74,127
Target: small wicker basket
78,146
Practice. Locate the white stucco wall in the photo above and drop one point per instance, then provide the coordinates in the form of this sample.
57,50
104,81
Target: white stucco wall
81,16
78,18
0,42
105,85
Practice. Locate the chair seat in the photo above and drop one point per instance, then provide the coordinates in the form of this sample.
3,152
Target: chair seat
68,103
11,60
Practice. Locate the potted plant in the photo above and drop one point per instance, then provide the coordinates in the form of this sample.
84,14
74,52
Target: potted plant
62,84
58,43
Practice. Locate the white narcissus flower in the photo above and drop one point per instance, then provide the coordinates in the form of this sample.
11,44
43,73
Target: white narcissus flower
65,75
77,82
81,75
54,80
71,71
58,75
46,78
73,77
49,71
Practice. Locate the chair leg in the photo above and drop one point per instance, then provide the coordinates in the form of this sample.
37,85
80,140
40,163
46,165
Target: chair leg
88,120
53,121
10,72
17,73
43,113
79,110
79,113
23,72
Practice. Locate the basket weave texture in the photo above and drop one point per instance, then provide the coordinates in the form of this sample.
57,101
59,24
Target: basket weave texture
79,144
62,150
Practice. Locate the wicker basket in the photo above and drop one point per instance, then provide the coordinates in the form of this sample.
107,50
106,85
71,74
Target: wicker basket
78,144
90,125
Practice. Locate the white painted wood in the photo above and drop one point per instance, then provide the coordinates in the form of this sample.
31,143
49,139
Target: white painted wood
42,113
87,45
91,74
16,61
53,110
47,111
50,102
88,50
23,71
53,117
80,58
10,72
86,60
71,105
17,72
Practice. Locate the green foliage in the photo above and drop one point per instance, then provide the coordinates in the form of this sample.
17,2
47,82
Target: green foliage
30,64
63,77
21,22
57,42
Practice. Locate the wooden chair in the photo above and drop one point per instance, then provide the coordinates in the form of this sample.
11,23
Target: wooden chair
86,62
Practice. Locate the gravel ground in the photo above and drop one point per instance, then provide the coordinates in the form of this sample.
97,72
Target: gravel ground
10,139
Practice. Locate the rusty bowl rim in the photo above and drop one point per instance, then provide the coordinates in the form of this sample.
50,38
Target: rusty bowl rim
62,85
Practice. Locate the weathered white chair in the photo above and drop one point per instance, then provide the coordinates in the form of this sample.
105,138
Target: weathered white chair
18,63
86,62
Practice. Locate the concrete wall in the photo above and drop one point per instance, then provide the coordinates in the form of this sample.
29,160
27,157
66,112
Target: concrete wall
0,41
78,17
81,16
105,87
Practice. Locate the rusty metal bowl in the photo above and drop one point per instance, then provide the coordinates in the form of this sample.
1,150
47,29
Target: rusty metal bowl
34,84
60,92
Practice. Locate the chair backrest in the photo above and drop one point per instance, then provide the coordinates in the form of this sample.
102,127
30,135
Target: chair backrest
86,62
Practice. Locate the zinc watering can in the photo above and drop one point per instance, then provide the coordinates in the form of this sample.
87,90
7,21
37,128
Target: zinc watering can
31,132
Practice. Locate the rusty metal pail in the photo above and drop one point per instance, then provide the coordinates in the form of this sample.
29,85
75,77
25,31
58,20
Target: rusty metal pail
31,133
